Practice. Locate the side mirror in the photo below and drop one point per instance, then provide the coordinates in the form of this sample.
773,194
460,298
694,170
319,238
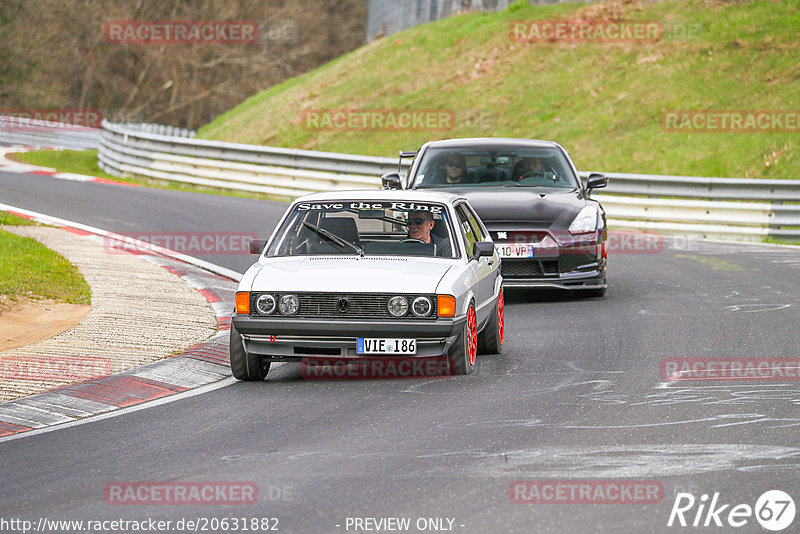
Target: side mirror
391,180
596,181
257,246
482,248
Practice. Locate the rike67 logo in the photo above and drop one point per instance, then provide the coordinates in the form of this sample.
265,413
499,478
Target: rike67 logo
774,510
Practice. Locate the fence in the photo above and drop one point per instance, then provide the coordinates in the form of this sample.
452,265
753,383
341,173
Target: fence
385,17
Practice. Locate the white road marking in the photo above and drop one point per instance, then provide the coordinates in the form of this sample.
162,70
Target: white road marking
123,411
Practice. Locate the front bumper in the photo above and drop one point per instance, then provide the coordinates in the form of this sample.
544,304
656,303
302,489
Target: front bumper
287,339
594,279
581,265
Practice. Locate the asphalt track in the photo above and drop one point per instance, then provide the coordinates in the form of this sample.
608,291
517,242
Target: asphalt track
576,395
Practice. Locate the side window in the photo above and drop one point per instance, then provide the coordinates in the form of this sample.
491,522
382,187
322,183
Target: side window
466,229
476,227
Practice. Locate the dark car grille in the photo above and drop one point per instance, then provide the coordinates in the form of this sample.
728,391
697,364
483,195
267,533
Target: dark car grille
511,268
520,268
369,306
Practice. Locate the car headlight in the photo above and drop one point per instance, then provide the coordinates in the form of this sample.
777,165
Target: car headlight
266,304
289,304
421,307
398,306
585,222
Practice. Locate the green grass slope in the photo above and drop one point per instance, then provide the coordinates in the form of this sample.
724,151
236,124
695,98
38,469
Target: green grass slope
602,101
28,269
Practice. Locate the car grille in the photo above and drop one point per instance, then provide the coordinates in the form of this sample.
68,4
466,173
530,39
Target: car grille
521,268
369,306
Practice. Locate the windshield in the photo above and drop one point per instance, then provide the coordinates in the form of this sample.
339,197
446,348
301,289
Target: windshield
495,167
365,228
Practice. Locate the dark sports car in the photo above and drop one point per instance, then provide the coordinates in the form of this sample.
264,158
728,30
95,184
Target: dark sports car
546,228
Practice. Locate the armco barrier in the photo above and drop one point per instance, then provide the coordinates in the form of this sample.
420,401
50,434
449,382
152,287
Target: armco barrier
283,172
45,134
714,207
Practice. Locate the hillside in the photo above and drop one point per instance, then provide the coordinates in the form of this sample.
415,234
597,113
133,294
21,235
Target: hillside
604,101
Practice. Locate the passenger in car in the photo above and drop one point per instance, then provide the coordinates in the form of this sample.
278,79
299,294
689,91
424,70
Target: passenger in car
456,169
420,224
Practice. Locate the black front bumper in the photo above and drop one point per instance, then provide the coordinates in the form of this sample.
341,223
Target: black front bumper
571,267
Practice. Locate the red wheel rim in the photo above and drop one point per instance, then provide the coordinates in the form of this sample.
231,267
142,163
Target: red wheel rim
501,318
472,335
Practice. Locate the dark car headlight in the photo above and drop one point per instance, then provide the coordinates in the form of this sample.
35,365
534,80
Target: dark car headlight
398,306
422,307
266,304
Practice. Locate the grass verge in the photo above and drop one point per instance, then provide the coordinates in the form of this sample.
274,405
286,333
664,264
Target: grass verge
9,219
30,270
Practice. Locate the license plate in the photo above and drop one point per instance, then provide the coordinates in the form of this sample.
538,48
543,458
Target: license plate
369,345
514,251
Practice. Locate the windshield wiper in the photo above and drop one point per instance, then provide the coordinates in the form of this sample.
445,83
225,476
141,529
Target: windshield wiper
334,238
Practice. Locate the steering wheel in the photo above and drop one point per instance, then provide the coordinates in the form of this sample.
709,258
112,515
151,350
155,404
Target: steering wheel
547,175
413,240
531,174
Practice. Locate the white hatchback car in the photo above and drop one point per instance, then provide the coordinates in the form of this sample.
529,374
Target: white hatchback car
357,274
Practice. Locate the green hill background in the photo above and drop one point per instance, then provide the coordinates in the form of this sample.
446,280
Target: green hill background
603,101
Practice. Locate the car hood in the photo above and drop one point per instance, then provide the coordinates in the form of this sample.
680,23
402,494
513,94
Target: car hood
548,207
351,274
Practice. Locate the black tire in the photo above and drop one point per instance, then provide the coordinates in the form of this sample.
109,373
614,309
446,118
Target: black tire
459,354
592,293
490,341
244,366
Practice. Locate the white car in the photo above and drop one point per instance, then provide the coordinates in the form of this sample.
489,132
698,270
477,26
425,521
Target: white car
370,274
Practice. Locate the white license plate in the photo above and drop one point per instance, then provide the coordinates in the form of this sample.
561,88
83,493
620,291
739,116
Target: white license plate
514,251
369,345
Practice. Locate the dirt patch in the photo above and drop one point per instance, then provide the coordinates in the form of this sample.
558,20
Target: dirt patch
12,156
27,321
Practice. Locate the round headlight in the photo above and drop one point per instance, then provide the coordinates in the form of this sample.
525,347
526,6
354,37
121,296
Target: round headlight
265,304
421,307
398,306
289,304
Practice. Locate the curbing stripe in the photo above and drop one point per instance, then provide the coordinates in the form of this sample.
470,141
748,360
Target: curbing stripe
121,391
8,429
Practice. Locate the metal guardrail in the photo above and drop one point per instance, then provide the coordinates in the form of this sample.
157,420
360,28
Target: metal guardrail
45,134
284,172
714,207
160,129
